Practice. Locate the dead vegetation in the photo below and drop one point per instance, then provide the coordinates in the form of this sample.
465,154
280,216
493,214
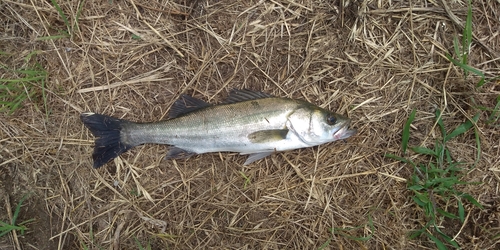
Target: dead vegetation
374,61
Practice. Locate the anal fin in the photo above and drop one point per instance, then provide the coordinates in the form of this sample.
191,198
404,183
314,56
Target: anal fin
178,153
256,156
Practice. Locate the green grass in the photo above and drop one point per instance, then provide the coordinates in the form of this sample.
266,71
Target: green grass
343,232
93,243
435,183
462,50
247,180
71,27
493,113
148,246
136,37
6,228
29,80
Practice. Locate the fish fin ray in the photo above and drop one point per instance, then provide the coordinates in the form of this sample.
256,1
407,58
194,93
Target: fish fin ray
256,156
106,129
241,95
178,153
186,104
271,135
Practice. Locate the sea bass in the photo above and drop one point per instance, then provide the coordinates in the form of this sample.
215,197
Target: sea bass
248,122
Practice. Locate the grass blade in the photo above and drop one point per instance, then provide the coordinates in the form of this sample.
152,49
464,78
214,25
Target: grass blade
406,130
415,187
30,79
324,245
472,200
440,245
440,122
77,18
446,237
462,128
481,83
495,113
44,98
478,147
466,67
247,179
461,211
424,150
417,233
401,159
456,47
341,231
447,214
18,209
23,86
61,13
418,201
44,38
467,36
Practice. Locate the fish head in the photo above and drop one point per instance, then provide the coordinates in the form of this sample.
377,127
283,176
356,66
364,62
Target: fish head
315,126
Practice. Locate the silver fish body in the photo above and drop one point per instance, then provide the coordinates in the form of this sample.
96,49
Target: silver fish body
248,122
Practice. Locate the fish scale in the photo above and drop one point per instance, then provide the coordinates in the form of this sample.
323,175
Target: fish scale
216,128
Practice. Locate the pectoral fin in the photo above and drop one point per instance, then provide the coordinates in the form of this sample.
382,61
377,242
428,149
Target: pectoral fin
256,156
264,136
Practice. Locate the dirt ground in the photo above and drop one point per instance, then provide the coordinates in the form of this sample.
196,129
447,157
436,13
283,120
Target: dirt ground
374,61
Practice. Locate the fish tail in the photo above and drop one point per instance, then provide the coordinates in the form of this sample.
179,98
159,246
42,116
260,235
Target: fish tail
108,144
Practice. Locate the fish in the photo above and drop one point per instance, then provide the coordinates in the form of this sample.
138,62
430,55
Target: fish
248,122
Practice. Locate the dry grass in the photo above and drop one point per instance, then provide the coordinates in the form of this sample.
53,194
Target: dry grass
372,60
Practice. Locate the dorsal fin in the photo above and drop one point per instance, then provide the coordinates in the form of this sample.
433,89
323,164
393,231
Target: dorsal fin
186,104
241,95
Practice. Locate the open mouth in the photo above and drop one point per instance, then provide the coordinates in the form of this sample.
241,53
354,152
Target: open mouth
344,133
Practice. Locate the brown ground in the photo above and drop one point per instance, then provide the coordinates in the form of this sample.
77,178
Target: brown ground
374,61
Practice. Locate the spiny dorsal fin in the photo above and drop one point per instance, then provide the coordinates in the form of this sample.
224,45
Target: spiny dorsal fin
186,104
271,135
241,95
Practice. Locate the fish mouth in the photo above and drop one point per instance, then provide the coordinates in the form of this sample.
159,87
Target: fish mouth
344,133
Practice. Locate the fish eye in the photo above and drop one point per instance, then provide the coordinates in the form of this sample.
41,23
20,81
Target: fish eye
331,119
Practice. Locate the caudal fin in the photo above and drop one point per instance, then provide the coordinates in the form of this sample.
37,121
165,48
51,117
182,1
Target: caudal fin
108,144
